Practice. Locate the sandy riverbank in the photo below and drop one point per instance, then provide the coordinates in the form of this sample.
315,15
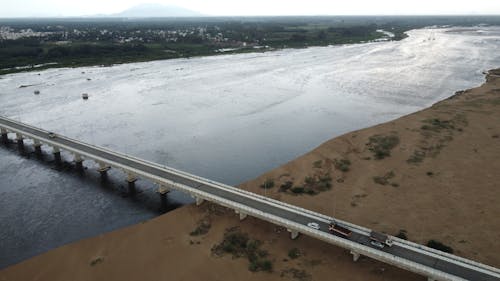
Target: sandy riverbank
439,182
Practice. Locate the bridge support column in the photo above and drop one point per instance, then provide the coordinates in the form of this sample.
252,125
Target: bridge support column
78,162
242,215
20,141
355,255
293,233
57,154
5,137
38,148
199,201
163,191
103,170
131,179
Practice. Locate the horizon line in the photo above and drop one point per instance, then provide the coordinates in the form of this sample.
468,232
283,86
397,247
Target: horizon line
243,16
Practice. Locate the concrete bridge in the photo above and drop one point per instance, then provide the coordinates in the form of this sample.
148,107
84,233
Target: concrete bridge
433,264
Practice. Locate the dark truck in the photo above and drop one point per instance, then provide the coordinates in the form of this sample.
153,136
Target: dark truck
335,228
379,240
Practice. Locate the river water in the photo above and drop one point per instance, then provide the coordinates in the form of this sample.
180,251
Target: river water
228,118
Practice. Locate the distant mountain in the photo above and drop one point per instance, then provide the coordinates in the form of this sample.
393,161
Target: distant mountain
157,10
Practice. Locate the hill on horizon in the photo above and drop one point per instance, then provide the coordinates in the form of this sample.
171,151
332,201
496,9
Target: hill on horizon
157,10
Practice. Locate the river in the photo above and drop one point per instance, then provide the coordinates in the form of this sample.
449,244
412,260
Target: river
228,118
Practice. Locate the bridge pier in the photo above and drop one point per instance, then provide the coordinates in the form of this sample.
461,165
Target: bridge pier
131,179
242,215
79,162
5,137
38,148
293,233
355,255
163,191
199,201
20,141
57,154
103,170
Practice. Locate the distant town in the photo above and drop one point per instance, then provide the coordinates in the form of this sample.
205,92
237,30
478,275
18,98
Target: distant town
40,43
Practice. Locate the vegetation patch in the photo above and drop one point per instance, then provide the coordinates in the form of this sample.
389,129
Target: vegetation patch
437,133
342,164
238,244
436,125
286,186
202,228
294,253
384,180
318,164
439,246
312,185
402,234
417,157
318,183
381,146
269,183
297,274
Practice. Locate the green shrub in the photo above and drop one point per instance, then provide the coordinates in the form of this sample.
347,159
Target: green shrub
402,234
201,229
318,164
437,125
342,164
286,186
269,183
439,246
325,178
312,185
384,180
239,244
381,146
298,190
310,192
262,253
323,186
417,157
266,265
309,180
294,253
253,266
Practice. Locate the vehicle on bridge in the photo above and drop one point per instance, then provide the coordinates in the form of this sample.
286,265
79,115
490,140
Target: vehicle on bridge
377,244
380,240
313,225
335,228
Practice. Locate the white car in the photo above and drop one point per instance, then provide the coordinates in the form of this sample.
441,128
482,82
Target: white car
52,135
313,225
377,244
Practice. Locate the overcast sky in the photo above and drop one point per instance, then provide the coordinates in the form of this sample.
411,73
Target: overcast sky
23,8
